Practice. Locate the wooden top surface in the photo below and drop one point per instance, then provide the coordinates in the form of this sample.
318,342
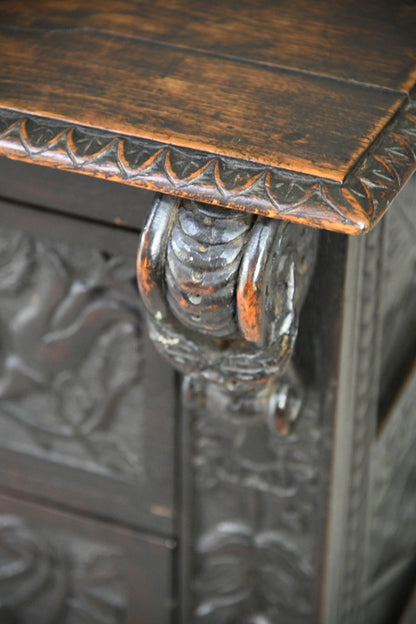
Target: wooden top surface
271,107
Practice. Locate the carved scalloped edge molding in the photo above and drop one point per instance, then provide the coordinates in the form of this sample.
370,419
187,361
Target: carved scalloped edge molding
352,207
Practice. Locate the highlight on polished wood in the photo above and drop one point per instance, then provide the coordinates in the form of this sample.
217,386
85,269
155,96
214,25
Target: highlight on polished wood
246,107
232,441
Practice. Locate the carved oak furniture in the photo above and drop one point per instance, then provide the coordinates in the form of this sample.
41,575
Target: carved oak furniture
271,478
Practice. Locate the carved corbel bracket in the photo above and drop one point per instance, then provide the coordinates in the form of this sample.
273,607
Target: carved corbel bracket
223,290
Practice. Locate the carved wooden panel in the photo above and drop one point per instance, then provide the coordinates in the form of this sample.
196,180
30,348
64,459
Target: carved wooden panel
59,569
392,551
255,486
72,355
399,292
354,383
363,411
391,538
74,382
257,513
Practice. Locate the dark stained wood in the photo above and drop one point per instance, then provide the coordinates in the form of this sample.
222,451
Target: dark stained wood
63,191
409,614
63,228
352,207
221,104
285,119
289,109
264,85
391,534
121,468
252,522
371,41
398,301
200,270
66,568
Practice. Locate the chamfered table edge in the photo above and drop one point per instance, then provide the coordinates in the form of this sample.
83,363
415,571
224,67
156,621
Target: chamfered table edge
352,207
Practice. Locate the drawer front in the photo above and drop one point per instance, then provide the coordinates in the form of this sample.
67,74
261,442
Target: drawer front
56,568
85,402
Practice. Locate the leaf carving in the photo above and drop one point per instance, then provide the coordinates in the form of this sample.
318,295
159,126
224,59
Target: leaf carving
72,352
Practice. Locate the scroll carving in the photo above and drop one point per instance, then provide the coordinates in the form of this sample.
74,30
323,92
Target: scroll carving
56,577
223,292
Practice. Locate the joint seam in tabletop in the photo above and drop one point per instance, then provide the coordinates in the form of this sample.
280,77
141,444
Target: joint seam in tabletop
297,122
206,53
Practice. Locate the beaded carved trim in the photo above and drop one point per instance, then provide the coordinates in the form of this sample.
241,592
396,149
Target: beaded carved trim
352,207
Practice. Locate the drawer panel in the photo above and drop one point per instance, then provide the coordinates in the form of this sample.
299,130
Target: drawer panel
391,527
85,401
62,191
56,568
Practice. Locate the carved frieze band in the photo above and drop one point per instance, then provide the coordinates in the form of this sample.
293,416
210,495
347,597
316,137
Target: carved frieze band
352,207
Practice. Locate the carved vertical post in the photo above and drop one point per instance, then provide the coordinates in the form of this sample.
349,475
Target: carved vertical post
223,291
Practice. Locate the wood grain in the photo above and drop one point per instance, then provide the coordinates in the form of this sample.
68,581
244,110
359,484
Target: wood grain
371,42
352,207
66,192
66,568
94,471
290,120
290,110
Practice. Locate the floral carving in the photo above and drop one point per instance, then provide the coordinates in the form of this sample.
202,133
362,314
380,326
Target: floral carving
72,354
54,577
240,575
254,520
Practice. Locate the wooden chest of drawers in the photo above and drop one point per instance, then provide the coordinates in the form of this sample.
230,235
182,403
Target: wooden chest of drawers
271,478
